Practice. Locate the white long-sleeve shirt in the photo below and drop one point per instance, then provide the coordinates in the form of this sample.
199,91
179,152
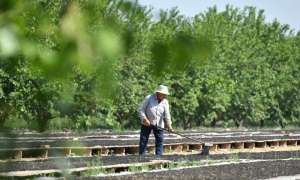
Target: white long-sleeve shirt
157,113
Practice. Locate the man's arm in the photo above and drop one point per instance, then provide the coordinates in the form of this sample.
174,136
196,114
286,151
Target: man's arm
142,111
168,117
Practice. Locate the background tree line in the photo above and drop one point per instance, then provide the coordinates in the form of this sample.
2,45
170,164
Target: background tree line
88,64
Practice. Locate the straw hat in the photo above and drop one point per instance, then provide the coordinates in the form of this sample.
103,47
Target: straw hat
162,89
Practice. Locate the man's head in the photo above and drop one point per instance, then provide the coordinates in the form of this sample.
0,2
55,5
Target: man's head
161,92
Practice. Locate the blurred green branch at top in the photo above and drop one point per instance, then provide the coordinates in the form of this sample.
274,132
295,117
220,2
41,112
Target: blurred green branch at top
68,58
94,36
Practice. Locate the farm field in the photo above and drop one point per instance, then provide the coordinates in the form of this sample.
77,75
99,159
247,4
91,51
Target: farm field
115,155
84,82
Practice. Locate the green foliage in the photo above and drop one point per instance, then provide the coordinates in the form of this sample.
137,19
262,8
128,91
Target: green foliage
137,168
88,64
95,167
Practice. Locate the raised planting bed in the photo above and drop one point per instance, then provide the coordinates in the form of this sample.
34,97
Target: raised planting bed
77,165
235,170
76,148
116,139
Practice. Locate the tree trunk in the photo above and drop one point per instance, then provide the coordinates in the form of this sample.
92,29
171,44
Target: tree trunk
236,122
2,121
241,123
4,114
213,123
281,123
262,123
185,123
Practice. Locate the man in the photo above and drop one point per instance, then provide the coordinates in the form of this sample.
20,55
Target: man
155,114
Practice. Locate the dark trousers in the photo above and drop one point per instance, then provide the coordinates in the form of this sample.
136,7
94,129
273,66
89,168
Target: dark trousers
144,136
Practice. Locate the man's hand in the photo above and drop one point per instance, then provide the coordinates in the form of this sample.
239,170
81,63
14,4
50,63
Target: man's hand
170,129
146,122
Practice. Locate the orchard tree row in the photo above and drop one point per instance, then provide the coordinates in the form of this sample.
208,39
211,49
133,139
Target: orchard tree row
84,64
